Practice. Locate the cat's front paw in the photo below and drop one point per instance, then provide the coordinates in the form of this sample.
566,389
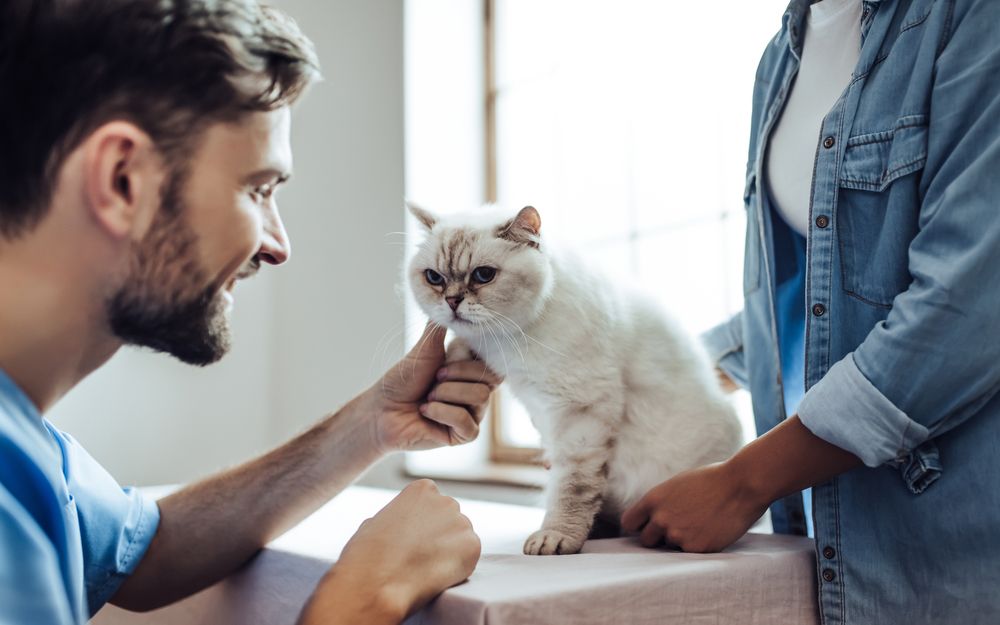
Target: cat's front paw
551,542
457,351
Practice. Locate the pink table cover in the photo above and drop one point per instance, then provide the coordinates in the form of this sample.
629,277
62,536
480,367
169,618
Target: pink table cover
762,579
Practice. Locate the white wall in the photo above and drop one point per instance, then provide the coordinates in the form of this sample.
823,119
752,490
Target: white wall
305,333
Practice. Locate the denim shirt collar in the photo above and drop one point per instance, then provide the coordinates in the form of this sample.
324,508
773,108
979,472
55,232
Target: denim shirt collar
793,21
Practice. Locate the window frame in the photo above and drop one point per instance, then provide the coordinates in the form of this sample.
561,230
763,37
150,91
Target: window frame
500,451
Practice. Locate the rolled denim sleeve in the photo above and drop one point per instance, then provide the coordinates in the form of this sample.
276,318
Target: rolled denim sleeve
932,363
724,344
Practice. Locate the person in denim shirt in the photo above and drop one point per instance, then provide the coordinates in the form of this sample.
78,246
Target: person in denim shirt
889,334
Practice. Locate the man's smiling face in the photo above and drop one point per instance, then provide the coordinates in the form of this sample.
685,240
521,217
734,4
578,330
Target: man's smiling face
218,221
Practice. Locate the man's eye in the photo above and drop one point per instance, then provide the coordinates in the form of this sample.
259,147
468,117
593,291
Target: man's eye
263,192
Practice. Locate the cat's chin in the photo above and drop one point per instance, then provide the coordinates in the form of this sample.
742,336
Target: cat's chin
460,322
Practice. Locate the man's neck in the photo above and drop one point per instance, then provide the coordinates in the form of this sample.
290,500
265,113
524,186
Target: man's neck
52,333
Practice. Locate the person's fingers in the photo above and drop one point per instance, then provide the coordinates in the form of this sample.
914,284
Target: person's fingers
461,393
440,434
635,517
455,417
469,371
651,535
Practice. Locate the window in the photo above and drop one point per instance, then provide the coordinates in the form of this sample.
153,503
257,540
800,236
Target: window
626,123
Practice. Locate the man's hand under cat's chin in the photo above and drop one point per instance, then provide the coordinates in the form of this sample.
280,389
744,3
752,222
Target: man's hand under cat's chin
421,404
703,510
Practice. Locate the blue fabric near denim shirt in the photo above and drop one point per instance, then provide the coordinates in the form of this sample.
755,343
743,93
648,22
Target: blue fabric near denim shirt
69,534
902,312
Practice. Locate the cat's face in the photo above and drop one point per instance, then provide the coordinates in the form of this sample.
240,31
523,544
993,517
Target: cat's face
479,271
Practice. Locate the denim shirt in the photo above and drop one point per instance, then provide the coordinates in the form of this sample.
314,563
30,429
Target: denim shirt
899,307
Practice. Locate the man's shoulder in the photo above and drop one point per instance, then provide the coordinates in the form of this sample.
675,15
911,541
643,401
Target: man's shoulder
32,545
29,480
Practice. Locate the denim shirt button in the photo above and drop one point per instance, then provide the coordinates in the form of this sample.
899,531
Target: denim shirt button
822,221
828,553
819,310
829,575
829,142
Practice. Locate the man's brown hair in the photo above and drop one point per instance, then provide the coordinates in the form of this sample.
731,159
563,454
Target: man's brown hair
172,67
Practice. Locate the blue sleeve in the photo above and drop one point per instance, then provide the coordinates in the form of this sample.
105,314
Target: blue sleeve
32,587
116,524
932,363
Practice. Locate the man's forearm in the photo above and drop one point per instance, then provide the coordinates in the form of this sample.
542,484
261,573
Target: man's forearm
788,459
211,528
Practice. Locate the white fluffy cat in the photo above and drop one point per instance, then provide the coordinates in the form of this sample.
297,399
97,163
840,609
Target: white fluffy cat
622,397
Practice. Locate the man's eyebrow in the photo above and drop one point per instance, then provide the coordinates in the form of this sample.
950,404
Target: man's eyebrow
270,175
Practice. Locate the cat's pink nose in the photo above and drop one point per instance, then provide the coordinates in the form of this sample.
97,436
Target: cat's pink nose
454,301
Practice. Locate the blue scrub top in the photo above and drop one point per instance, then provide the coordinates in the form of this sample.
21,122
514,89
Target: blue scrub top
69,534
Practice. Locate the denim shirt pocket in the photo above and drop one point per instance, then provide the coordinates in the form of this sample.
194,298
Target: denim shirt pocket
752,255
877,209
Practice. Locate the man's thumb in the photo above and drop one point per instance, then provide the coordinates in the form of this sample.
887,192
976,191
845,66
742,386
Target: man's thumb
431,343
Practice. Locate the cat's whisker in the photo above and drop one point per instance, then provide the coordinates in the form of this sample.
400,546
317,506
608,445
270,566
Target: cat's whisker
482,339
506,334
482,344
502,320
528,336
380,356
507,319
506,366
382,346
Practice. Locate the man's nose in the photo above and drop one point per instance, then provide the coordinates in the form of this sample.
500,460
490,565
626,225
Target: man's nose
454,301
275,248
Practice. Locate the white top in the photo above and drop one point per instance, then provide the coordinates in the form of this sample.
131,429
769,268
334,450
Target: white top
830,52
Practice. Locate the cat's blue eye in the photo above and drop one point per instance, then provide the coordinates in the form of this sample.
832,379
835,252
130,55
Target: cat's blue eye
482,275
433,277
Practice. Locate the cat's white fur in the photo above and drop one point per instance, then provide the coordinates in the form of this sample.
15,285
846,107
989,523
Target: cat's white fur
622,396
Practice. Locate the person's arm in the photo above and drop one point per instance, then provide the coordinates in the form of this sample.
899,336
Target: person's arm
708,508
211,528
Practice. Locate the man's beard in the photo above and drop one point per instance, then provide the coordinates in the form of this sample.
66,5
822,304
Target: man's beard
163,304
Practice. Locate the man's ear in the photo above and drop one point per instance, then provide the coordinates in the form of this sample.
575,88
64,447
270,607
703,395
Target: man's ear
122,175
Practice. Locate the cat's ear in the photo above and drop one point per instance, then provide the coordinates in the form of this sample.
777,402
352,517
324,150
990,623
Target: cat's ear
423,216
524,229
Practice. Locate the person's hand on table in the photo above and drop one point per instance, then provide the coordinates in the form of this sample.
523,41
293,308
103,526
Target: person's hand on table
709,508
404,556
702,510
